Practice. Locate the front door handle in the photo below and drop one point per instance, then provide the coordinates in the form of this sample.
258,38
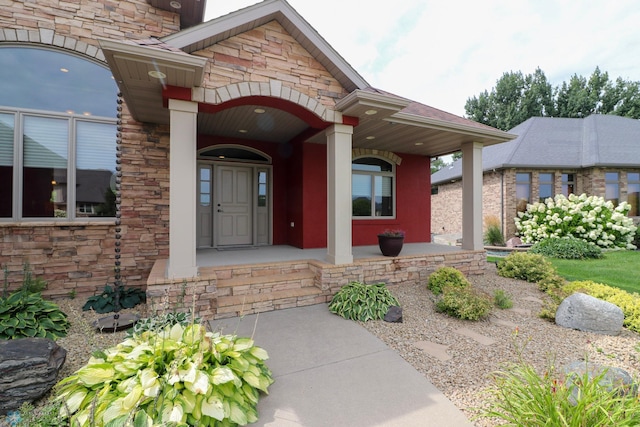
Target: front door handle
220,210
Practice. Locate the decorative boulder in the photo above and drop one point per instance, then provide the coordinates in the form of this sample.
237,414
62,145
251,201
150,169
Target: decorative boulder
586,313
611,378
394,314
28,369
514,242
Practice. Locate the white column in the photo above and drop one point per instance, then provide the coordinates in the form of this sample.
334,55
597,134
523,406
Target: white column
472,196
339,194
182,189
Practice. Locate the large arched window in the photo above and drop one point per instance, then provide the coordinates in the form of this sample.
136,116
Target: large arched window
57,135
372,188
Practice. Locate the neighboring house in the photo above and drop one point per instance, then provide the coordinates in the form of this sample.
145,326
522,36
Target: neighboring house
246,130
598,155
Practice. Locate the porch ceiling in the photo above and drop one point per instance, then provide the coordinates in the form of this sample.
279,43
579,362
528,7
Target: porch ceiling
398,124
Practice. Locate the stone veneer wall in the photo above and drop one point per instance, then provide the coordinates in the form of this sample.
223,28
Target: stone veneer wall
199,295
79,255
269,53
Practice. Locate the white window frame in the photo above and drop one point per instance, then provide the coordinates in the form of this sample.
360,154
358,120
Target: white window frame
373,174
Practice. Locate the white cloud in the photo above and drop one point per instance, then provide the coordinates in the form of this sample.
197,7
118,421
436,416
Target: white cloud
442,53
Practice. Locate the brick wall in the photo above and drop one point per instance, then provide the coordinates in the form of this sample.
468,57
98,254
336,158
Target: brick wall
79,256
446,208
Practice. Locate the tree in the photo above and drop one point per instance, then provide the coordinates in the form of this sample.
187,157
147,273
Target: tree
513,100
517,97
436,164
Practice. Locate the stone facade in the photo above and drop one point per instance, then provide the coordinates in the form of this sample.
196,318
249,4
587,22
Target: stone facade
269,53
498,195
202,295
79,256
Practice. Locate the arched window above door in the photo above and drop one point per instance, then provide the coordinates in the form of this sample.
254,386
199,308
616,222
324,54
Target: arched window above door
234,153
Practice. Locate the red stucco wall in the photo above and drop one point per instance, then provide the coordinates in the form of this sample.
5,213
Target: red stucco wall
413,191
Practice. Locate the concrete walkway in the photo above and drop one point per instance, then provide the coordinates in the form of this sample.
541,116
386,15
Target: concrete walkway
331,372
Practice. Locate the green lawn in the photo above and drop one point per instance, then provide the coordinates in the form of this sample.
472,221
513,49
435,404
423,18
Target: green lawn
619,268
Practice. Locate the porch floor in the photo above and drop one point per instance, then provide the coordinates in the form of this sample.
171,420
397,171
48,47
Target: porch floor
211,257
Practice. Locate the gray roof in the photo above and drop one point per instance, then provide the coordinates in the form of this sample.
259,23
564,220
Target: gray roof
561,143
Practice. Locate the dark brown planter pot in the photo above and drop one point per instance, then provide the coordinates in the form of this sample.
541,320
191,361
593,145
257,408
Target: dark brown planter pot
390,245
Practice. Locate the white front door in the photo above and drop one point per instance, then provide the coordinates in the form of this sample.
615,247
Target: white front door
234,205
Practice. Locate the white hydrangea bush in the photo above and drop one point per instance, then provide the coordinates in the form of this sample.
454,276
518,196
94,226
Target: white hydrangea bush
589,218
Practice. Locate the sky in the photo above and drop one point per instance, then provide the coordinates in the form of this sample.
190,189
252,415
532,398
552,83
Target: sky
441,53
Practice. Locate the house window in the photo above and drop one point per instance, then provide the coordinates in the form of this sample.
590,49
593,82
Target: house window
57,135
372,187
545,186
612,187
523,191
633,193
568,184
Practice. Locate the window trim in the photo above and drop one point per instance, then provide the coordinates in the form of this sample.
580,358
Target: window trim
635,182
373,174
530,190
616,182
17,197
550,183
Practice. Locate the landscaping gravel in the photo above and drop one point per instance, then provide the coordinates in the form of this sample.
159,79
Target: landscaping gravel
474,349
516,334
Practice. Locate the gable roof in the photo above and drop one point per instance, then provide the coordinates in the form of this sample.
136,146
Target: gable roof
243,20
143,67
561,143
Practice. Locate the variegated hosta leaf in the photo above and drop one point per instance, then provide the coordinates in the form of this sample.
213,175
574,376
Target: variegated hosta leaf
96,374
169,376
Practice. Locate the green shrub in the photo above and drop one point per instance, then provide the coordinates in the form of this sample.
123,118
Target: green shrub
106,301
591,219
446,276
502,300
566,248
525,266
522,397
161,321
178,376
464,303
550,283
628,303
359,301
493,236
25,314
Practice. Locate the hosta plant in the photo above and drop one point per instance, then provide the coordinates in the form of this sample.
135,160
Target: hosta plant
359,301
114,298
25,314
161,321
589,218
179,376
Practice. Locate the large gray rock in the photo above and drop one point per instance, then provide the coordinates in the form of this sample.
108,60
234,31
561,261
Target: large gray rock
610,377
28,370
586,313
